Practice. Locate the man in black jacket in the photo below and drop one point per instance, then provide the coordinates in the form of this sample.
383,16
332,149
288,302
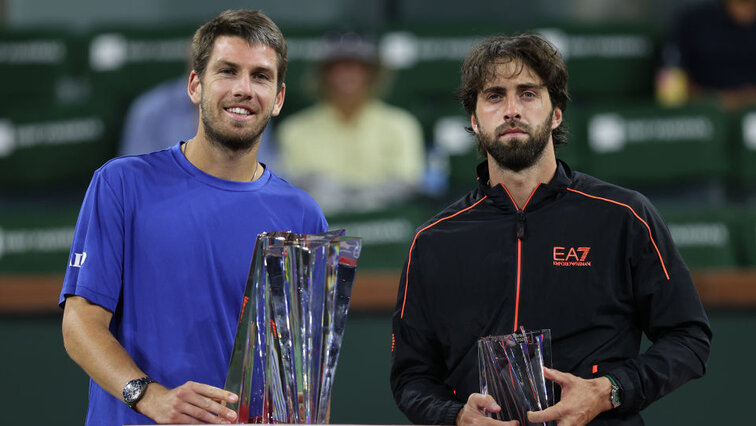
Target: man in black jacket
539,245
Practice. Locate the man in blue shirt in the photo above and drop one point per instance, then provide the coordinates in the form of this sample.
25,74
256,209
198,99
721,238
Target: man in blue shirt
164,241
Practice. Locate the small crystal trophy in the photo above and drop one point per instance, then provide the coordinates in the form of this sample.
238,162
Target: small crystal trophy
511,371
291,326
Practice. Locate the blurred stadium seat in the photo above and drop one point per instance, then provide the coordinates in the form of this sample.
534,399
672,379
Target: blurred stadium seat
707,238
743,148
54,145
673,155
386,233
35,238
35,66
607,61
122,62
747,236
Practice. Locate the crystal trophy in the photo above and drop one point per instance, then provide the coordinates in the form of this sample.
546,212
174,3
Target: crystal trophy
291,326
511,371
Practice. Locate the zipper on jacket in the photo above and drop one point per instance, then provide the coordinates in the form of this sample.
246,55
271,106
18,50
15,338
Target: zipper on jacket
520,236
520,233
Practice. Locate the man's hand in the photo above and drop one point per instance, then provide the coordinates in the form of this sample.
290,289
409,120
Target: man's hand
582,399
189,403
89,342
474,412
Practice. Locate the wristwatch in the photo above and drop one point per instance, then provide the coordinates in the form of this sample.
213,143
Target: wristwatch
134,390
614,396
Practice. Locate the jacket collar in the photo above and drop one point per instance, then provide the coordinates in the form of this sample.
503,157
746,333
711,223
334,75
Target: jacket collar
499,197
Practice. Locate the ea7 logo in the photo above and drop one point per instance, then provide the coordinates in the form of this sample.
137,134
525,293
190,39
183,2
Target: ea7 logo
78,259
571,256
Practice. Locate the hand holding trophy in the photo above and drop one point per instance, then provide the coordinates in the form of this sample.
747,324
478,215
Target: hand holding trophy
511,371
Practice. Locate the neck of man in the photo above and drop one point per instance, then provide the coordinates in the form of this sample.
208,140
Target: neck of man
521,184
221,162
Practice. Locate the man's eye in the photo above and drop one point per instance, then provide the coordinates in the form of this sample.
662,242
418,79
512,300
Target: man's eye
493,97
262,76
226,71
528,95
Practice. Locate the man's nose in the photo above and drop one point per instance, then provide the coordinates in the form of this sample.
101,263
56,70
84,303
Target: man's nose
512,108
243,87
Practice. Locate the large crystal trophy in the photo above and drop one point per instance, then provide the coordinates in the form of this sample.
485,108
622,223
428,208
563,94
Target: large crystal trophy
511,371
291,326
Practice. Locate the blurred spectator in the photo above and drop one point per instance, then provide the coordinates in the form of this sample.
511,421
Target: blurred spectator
711,53
164,115
352,151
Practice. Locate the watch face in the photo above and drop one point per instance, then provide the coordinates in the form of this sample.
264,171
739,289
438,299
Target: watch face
132,390
616,402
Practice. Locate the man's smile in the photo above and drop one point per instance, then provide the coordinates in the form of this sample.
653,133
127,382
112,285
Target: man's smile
239,112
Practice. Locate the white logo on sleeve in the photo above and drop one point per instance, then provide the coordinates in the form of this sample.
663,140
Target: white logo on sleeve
78,259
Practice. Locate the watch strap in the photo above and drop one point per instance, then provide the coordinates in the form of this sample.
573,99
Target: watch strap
614,395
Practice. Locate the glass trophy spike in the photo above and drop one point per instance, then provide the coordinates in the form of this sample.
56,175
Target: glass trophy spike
291,326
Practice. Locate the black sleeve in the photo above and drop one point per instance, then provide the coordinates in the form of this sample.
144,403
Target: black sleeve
418,371
671,315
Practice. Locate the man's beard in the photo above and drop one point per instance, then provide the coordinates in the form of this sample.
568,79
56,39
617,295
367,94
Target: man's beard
233,142
518,154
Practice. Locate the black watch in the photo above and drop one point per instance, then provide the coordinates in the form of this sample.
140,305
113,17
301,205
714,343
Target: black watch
134,391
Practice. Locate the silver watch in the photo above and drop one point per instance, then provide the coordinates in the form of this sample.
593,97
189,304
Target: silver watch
614,396
134,390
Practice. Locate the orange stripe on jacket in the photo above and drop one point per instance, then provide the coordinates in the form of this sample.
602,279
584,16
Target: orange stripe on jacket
409,259
650,235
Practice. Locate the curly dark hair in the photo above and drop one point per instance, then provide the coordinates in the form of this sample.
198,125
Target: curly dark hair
526,49
251,25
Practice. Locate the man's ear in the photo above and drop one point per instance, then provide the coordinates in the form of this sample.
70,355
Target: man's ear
194,88
279,100
474,123
556,118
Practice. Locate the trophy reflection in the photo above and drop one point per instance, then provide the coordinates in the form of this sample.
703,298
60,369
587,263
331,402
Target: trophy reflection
291,326
511,371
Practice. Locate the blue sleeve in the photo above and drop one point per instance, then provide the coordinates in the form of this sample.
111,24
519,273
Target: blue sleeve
95,264
321,223
314,221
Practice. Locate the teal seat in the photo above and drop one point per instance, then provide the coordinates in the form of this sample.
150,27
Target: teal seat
607,61
679,153
744,147
387,233
747,236
35,238
123,62
37,66
707,239
53,146
425,61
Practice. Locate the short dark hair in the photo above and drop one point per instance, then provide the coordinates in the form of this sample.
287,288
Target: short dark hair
528,49
251,25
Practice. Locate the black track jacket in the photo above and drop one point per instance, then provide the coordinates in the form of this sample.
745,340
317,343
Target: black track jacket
589,260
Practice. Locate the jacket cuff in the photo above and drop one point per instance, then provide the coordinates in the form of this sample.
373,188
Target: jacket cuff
630,390
450,415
